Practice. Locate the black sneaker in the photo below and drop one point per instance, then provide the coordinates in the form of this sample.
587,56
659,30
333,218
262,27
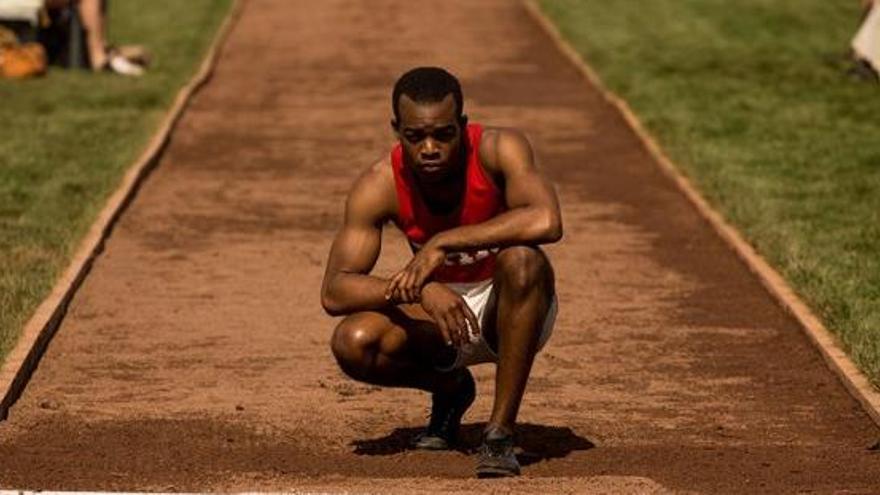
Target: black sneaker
446,413
496,458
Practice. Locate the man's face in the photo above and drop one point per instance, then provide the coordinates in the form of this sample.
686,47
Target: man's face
430,134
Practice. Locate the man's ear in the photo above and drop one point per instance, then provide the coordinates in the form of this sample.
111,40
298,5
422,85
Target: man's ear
463,120
395,126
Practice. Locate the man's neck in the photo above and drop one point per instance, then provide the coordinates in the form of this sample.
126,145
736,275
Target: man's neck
443,198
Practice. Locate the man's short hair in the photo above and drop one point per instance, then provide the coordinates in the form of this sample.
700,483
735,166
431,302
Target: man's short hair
427,85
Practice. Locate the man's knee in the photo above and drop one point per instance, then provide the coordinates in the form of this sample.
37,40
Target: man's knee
523,269
355,345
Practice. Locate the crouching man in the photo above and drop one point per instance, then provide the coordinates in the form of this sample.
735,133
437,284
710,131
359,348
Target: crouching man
478,289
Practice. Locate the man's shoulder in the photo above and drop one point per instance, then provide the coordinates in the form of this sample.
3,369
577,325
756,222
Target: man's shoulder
374,189
495,141
492,136
378,174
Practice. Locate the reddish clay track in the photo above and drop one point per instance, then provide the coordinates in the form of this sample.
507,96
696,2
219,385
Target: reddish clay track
195,355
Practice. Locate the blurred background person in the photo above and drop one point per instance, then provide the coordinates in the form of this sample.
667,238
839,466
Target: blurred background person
74,33
101,56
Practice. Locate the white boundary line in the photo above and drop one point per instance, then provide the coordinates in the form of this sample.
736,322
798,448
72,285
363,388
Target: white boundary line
38,331
828,345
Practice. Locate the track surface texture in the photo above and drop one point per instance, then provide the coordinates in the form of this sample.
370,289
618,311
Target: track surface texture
195,357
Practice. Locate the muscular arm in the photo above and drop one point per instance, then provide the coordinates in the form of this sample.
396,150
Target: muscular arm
347,285
533,216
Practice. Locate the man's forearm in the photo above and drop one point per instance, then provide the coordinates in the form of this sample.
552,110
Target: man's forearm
351,292
518,226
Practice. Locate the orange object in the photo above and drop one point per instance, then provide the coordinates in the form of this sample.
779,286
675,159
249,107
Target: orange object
22,61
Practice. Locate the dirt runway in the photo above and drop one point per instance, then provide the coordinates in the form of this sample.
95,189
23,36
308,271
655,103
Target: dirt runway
195,357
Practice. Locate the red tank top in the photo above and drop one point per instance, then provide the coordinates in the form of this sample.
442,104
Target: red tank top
481,201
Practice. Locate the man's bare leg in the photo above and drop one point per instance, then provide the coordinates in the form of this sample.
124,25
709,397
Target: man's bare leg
399,348
524,285
394,348
92,14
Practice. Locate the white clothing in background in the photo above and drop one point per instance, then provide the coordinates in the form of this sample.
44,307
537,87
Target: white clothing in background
866,44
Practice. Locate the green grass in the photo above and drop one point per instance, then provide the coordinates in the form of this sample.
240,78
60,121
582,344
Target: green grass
780,140
66,139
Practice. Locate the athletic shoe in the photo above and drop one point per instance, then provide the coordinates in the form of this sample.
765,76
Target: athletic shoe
496,458
446,413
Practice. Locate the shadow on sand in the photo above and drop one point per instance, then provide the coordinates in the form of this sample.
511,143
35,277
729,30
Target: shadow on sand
535,443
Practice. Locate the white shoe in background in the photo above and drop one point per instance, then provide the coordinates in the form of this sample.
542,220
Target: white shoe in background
122,66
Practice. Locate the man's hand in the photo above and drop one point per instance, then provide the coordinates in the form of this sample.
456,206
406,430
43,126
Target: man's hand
449,311
406,285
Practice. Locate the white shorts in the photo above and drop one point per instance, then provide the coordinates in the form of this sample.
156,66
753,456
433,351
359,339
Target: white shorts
480,297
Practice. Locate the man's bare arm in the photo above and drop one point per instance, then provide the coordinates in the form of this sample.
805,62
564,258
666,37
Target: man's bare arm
347,286
533,216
